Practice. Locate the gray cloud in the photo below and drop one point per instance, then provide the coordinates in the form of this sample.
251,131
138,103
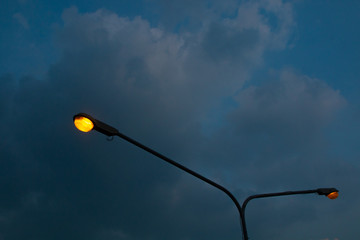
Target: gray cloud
139,60
280,123
304,103
275,139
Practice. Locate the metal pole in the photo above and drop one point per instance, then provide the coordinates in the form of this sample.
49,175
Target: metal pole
111,131
195,174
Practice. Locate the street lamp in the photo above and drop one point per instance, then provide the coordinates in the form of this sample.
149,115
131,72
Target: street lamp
86,123
331,193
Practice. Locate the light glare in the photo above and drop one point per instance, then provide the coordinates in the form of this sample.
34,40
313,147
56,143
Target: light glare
83,124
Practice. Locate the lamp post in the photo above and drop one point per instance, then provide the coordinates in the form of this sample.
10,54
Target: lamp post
86,123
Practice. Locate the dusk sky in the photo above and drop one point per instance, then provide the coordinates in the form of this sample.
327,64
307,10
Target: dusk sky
260,96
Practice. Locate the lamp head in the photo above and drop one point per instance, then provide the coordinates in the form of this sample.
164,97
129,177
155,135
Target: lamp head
331,193
86,123
83,122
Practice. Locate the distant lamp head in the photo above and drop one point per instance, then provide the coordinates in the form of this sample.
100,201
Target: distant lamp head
331,193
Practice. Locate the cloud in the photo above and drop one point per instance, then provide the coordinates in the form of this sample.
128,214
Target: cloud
158,85
279,124
274,140
307,104
189,72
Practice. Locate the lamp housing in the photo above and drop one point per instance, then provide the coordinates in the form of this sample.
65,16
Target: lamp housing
97,125
331,193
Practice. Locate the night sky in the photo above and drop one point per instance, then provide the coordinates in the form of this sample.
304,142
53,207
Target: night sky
260,96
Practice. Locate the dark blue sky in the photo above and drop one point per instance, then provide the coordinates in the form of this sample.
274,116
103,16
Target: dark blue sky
260,96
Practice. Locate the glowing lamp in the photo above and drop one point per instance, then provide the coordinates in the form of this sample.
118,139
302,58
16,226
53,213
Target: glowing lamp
84,124
333,195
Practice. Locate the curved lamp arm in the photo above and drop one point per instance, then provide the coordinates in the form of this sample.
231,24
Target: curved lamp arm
331,193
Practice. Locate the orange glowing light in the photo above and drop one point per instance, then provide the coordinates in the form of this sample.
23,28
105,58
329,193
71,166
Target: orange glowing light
333,195
83,124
